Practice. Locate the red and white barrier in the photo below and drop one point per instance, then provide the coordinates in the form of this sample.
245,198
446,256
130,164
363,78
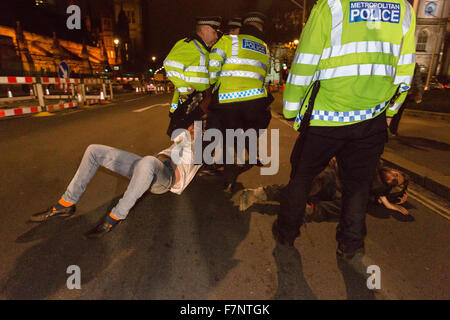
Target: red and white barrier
19,111
61,106
45,80
18,80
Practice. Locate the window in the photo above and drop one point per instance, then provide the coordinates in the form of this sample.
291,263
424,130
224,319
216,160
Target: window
422,41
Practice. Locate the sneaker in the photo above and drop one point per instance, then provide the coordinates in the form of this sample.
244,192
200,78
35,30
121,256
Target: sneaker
279,237
101,229
55,211
251,196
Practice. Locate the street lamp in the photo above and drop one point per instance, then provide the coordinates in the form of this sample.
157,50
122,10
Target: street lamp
296,41
153,58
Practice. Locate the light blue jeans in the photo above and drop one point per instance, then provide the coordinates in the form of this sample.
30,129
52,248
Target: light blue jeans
145,173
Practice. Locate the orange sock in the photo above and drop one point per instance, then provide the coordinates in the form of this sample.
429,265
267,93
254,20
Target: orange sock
64,203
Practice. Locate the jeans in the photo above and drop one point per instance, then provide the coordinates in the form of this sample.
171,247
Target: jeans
145,173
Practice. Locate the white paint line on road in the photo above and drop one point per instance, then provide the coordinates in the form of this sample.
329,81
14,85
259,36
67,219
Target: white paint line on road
133,99
150,107
430,204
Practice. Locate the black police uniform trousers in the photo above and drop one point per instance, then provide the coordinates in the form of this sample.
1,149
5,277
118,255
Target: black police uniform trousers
251,114
357,148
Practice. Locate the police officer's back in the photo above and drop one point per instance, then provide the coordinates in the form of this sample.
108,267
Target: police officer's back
362,52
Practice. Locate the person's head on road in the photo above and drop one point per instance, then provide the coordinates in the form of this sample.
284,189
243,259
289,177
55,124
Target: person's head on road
255,19
234,26
208,29
393,177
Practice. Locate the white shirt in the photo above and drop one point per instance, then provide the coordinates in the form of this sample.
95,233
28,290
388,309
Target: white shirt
181,153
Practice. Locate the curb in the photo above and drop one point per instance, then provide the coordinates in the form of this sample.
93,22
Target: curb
424,181
427,114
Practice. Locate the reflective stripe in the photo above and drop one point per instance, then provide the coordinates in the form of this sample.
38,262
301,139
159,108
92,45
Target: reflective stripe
240,94
346,116
344,71
403,79
301,80
215,63
407,59
357,70
183,89
197,69
174,64
175,74
219,52
214,74
234,45
361,47
173,107
187,79
407,18
242,74
396,106
292,106
336,21
248,62
307,58
202,55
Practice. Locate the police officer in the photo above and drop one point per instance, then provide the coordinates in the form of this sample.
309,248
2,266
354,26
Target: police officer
187,62
238,67
361,52
234,26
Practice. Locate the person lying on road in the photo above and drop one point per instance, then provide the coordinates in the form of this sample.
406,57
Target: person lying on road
170,170
325,198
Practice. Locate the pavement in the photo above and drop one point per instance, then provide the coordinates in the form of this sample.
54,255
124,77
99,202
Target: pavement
193,246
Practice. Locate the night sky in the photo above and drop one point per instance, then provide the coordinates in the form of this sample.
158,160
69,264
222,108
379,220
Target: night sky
166,21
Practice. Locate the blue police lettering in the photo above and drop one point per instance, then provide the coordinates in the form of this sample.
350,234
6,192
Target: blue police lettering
374,11
254,46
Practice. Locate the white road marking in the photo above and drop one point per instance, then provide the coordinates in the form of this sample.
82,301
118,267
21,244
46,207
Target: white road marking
150,107
133,99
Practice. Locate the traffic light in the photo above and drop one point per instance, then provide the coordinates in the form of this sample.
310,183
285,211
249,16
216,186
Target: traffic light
150,70
284,66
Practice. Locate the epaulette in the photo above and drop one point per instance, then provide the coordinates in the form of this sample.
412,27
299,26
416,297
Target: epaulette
188,39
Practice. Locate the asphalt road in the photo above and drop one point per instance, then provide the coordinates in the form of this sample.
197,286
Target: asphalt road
194,246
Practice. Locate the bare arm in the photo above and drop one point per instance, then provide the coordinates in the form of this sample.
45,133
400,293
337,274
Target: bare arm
392,206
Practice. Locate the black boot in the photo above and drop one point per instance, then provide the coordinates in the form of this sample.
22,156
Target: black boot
55,211
102,228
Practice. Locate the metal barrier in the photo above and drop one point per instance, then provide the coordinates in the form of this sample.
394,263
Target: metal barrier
75,92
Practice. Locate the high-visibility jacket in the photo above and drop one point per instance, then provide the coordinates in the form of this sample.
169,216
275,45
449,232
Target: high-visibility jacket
361,51
187,67
238,67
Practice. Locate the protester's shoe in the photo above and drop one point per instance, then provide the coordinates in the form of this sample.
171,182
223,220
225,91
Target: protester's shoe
60,209
350,254
109,223
251,196
279,237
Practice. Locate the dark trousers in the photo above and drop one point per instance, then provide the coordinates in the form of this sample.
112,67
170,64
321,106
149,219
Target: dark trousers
252,114
357,149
